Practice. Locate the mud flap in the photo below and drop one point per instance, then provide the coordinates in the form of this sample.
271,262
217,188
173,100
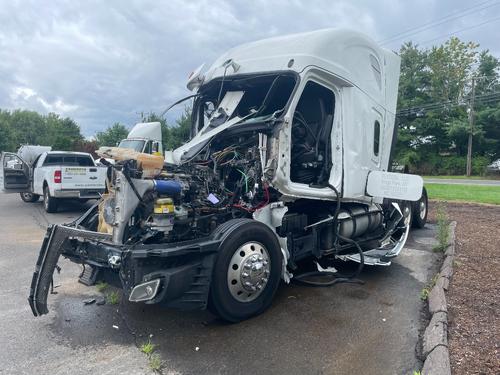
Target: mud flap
52,248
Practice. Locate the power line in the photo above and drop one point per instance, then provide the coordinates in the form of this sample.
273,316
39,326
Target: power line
460,30
484,98
455,15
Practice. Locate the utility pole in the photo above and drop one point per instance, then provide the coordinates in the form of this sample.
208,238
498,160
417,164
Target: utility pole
471,127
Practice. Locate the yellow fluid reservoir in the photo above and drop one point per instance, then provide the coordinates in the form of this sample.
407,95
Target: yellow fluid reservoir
164,206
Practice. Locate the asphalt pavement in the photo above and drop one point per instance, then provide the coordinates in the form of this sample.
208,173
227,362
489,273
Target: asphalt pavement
461,181
344,329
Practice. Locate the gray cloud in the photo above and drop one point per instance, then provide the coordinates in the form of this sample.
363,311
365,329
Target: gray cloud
101,62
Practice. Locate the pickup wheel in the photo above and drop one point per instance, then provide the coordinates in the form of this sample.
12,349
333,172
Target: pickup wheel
49,203
420,209
247,270
29,197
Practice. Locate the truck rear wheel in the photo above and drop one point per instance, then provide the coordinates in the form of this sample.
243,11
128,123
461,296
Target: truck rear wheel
49,203
247,270
29,197
420,209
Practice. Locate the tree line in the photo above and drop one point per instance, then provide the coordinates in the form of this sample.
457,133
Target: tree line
435,94
434,104
20,127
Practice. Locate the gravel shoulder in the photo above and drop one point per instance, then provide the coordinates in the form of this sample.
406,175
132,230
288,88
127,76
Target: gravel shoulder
474,297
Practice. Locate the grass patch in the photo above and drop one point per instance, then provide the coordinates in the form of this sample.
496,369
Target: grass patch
416,372
489,177
155,362
424,293
101,286
154,359
464,193
443,229
113,298
148,348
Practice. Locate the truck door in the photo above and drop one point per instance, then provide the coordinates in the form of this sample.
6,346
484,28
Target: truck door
14,174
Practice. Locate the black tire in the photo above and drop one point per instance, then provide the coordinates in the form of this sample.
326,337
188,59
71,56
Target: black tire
29,197
237,234
420,210
49,203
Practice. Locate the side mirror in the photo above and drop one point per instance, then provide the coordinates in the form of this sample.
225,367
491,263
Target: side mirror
195,79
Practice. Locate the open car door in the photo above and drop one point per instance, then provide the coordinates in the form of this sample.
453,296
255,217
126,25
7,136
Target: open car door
14,174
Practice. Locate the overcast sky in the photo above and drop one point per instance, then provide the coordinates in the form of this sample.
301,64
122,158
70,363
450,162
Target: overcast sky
100,62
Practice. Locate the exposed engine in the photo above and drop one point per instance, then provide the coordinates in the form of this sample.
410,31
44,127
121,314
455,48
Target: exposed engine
222,182
188,201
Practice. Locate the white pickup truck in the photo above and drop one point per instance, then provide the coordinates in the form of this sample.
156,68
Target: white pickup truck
54,174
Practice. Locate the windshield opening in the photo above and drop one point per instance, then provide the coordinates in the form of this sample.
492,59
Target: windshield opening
245,96
132,144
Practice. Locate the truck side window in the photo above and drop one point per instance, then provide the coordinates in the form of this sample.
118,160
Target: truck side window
147,149
376,138
311,156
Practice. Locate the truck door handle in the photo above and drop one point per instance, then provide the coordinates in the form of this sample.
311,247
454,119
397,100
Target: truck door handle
93,178
92,169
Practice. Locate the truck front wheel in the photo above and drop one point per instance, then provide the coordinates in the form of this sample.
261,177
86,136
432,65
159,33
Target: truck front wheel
29,197
49,203
247,270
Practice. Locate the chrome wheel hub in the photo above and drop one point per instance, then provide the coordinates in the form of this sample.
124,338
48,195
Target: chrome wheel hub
423,209
248,271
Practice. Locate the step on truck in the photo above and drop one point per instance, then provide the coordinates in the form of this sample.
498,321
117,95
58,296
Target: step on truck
287,164
37,171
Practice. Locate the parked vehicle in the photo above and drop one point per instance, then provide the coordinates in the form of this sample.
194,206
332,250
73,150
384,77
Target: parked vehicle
37,171
144,137
288,162
494,168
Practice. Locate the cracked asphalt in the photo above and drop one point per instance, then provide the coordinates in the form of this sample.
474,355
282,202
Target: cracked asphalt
344,329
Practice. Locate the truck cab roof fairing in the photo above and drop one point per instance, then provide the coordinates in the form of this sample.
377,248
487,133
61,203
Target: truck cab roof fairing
345,53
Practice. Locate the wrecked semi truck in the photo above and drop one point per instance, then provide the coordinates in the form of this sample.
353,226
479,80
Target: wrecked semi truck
288,161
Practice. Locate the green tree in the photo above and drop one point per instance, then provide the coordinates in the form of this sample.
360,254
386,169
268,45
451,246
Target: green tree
112,135
7,142
436,84
28,127
451,67
179,134
172,136
61,133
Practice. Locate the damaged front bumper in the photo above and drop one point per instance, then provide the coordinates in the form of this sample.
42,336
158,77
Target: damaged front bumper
176,275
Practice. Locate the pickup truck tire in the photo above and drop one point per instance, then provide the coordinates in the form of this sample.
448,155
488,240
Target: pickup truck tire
29,197
246,272
49,203
420,209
